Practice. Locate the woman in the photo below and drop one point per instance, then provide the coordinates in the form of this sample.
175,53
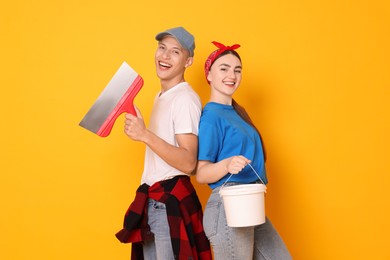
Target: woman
228,142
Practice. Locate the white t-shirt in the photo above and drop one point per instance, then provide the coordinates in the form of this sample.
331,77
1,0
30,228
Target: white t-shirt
176,111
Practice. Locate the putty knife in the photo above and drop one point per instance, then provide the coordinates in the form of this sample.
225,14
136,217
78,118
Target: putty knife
116,98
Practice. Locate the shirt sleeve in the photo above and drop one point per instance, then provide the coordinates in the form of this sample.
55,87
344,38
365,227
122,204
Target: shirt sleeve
186,114
209,141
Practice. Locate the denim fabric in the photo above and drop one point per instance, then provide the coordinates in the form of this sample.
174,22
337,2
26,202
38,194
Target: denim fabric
161,247
240,243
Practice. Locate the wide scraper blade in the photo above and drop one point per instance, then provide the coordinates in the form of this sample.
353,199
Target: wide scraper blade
116,98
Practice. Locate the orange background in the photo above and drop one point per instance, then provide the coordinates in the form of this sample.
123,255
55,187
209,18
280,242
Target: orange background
316,82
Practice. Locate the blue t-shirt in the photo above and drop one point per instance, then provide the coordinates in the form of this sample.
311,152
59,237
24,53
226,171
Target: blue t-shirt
223,134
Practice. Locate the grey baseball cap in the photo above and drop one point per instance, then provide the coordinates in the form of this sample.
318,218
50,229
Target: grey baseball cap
185,39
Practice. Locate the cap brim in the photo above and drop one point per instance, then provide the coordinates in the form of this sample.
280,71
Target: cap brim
160,36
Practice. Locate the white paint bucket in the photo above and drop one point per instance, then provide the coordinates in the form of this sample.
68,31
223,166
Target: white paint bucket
244,204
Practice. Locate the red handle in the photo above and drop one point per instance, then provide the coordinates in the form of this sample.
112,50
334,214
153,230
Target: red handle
125,105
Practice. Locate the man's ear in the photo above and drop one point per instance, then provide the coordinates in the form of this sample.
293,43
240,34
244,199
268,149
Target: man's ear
189,62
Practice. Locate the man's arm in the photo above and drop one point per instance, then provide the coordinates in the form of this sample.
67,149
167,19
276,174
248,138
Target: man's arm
183,158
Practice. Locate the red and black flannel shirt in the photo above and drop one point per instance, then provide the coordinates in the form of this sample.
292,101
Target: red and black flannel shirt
185,215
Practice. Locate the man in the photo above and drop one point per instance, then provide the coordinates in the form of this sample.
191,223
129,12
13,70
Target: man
166,215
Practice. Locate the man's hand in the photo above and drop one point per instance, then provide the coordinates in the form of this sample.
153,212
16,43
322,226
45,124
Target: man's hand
135,126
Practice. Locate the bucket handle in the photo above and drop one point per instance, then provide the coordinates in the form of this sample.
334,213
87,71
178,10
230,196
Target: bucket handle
253,171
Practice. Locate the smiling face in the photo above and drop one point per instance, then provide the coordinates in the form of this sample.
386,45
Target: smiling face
171,61
224,78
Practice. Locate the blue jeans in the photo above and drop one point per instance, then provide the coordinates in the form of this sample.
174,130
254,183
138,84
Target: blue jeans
240,243
161,247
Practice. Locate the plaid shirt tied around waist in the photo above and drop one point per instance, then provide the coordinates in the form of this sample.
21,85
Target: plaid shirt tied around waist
184,213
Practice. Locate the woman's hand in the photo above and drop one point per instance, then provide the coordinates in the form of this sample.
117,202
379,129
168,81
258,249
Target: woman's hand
235,164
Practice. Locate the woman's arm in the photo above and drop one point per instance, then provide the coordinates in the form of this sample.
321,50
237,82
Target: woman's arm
208,172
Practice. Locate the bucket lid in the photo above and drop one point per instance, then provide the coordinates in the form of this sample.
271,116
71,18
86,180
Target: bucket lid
242,189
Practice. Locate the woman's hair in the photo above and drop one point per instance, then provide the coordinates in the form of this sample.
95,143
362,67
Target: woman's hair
244,115
239,109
